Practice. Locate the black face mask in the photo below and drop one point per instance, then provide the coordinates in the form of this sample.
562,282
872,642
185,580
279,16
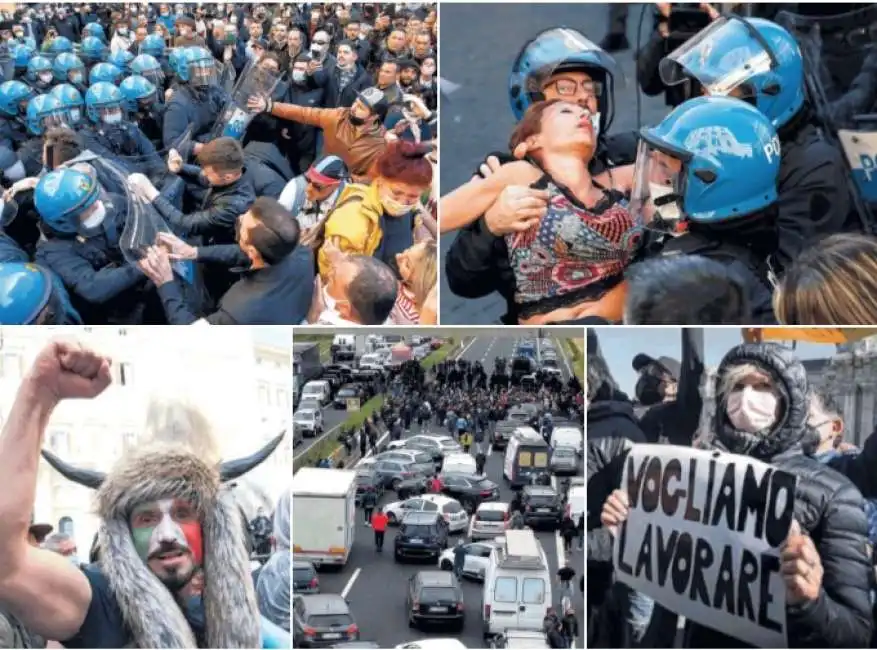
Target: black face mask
357,121
649,390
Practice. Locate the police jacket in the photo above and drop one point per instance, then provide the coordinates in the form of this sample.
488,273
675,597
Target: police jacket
217,218
477,263
270,169
279,294
828,507
191,109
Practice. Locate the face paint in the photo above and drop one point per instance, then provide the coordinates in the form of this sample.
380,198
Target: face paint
165,529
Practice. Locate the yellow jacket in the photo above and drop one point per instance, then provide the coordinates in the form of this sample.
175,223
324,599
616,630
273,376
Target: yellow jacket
355,221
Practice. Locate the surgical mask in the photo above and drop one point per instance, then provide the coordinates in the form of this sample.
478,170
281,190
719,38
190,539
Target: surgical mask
113,118
45,77
123,31
93,222
595,124
752,410
357,121
667,211
75,77
298,76
74,560
394,208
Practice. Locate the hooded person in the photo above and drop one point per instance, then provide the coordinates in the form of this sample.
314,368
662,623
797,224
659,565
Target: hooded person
172,570
273,585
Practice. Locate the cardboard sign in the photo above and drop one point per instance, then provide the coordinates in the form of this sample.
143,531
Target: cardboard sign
703,538
352,403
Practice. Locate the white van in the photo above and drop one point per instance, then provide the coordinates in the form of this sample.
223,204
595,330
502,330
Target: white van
459,464
526,453
319,389
517,585
568,437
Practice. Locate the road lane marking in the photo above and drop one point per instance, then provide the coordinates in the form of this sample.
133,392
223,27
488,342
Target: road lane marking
350,582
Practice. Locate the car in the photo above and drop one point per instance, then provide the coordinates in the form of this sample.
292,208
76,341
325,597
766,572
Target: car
490,519
564,461
318,389
438,446
357,644
450,509
421,535
311,403
322,620
367,480
338,373
477,555
520,640
304,578
433,644
521,414
422,351
469,489
552,371
393,472
502,433
435,597
542,506
349,391
308,421
420,459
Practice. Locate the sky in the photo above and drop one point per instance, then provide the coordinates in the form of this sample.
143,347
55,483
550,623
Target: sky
621,344
274,336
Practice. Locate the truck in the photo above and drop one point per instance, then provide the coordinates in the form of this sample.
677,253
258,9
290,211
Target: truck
323,515
306,365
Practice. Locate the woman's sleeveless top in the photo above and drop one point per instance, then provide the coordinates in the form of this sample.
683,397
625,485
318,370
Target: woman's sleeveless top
573,253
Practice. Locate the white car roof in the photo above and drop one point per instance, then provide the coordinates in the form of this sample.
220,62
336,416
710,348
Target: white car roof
459,456
438,499
501,506
438,644
304,412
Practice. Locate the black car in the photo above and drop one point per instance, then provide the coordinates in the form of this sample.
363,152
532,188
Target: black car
469,489
349,391
503,432
337,374
321,621
421,535
304,578
367,480
435,597
542,505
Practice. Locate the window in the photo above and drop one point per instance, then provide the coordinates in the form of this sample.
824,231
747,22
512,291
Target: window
429,506
540,459
265,395
126,374
533,591
59,442
65,526
505,590
123,331
525,459
282,398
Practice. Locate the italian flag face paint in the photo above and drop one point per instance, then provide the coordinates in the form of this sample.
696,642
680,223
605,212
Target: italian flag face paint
169,522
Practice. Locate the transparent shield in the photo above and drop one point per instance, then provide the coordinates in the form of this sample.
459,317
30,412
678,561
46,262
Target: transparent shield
236,117
721,57
658,189
203,74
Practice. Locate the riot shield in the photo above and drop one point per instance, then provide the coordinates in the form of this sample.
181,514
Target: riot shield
236,117
833,49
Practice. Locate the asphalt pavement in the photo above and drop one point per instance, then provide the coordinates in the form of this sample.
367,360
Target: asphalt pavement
375,586
479,42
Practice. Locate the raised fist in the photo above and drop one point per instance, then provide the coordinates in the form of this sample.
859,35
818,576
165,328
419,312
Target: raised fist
68,370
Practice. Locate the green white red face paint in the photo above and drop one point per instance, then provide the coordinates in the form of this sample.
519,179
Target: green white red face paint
167,524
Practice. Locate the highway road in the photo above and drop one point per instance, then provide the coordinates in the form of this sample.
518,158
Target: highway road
479,43
375,586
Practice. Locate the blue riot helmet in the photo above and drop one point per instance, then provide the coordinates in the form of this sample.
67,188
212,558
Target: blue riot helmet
60,45
21,56
67,198
148,66
14,97
153,45
28,296
72,103
68,68
39,72
541,63
93,49
200,67
94,30
105,72
749,58
140,94
121,59
103,104
711,161
43,113
177,58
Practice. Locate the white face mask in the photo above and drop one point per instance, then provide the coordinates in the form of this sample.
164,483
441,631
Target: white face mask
394,208
75,115
330,302
46,77
595,124
96,218
299,76
668,211
113,118
752,410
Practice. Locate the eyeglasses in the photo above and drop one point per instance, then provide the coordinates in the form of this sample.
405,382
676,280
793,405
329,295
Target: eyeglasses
566,87
321,42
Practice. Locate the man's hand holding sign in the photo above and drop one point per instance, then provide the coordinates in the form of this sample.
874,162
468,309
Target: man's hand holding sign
712,537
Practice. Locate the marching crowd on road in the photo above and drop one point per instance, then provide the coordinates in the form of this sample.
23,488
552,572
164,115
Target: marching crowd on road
817,588
743,205
228,163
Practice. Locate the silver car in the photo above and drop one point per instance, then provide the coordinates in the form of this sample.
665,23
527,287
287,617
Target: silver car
420,460
564,460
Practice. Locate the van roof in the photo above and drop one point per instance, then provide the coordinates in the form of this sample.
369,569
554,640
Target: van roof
321,481
521,550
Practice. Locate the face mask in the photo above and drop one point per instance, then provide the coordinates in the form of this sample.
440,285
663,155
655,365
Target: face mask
75,115
752,410
45,77
76,77
233,20
91,225
123,31
667,211
648,390
114,118
298,76
595,124
357,121
394,208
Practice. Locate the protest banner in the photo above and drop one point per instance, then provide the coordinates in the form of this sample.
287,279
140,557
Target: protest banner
703,538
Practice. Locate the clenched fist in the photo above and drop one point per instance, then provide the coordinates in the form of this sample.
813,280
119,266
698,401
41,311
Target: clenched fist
68,370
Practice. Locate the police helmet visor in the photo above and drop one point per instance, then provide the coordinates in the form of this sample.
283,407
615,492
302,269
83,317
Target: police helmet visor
73,115
202,73
156,76
722,58
658,187
53,120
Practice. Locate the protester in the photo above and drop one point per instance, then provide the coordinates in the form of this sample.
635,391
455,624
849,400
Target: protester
273,585
155,100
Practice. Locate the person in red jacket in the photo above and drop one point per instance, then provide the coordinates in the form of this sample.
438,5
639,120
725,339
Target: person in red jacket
379,525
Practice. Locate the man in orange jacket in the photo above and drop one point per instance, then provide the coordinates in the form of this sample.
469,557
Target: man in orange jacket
379,525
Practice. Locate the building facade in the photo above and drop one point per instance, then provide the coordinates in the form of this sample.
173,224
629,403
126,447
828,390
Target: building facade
224,371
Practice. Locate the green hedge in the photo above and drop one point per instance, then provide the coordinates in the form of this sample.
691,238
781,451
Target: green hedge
578,362
329,446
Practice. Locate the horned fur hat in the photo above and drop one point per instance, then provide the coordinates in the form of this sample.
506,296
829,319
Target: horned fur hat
170,465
